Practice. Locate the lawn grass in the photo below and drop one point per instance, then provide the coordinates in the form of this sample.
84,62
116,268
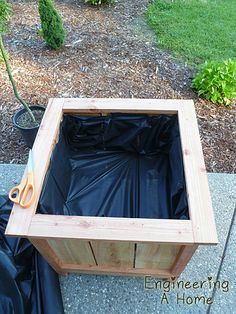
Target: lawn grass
196,30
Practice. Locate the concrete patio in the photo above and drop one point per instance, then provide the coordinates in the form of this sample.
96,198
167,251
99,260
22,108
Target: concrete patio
212,269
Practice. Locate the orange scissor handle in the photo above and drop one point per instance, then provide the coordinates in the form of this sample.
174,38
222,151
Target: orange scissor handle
29,187
22,190
16,192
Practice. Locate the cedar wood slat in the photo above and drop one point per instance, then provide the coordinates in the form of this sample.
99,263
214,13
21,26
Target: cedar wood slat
112,228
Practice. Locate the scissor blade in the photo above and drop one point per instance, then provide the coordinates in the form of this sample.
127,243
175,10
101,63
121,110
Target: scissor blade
30,162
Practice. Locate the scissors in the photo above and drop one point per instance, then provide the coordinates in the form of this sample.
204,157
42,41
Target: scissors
18,194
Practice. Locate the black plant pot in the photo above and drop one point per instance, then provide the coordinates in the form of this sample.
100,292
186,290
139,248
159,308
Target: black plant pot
28,134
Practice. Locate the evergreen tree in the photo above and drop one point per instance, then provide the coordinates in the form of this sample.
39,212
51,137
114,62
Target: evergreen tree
52,26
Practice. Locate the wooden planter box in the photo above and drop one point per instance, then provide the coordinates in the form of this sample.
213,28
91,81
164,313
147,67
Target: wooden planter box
125,246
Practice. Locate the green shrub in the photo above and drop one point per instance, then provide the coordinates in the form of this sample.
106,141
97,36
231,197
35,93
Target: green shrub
5,12
52,26
98,2
216,81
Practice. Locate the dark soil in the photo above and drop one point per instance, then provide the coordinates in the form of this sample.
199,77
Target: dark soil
25,121
109,52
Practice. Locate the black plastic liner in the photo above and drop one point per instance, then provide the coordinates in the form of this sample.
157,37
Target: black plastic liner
118,165
28,285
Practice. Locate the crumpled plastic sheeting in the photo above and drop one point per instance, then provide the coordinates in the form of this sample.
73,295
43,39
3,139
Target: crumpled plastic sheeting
119,165
28,285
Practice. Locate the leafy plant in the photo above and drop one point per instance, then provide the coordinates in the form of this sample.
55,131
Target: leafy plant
216,81
98,2
5,12
52,26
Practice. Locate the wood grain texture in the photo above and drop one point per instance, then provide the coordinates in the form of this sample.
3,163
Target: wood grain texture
102,105
185,254
71,251
117,271
45,141
156,256
113,254
112,229
199,200
48,253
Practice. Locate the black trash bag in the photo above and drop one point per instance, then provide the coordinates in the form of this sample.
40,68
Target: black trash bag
27,283
119,165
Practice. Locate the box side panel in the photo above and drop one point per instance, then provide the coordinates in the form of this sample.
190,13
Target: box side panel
120,258
156,256
113,254
71,251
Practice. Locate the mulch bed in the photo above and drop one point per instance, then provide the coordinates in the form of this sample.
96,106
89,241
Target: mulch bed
109,52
